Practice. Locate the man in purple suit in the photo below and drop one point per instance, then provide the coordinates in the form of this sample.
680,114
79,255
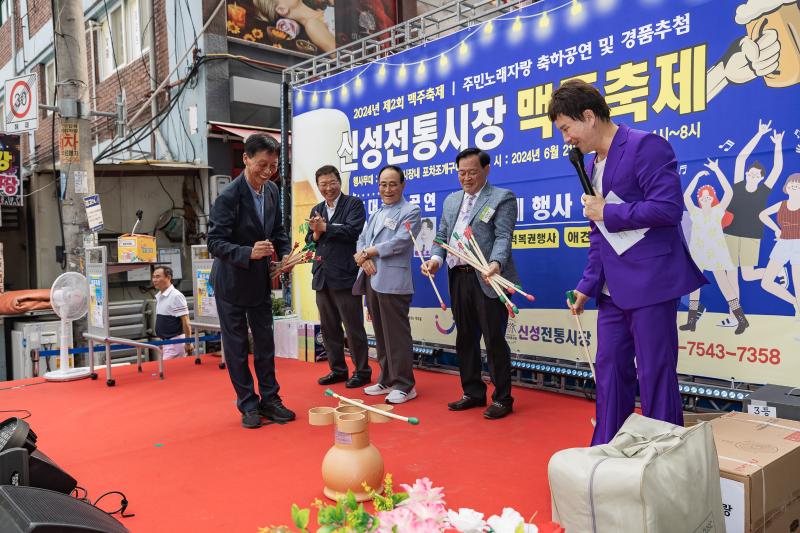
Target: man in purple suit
636,283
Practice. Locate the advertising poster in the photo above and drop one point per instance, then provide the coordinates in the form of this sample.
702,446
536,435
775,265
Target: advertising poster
206,304
96,301
10,171
301,26
718,79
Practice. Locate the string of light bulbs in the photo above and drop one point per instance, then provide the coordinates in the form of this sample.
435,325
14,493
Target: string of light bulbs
486,27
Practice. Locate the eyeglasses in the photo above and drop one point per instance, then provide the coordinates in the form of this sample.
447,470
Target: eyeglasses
388,185
472,173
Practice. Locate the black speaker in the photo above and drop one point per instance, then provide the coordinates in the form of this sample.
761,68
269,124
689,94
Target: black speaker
14,467
41,470
28,510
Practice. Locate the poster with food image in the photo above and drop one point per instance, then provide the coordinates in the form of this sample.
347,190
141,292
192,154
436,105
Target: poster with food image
305,26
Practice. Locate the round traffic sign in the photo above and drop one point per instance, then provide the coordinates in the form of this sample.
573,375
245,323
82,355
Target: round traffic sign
21,99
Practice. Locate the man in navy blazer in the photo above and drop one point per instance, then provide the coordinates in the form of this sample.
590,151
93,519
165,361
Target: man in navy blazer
334,225
637,187
244,229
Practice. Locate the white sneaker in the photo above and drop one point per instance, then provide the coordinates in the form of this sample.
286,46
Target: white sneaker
377,390
728,322
397,396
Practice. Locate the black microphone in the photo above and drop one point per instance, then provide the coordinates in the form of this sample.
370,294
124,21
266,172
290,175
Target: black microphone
576,158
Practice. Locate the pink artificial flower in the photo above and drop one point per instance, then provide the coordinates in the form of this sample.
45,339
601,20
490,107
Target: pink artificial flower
423,490
399,517
423,510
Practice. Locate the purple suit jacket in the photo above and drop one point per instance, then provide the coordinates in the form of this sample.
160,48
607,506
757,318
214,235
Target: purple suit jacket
642,170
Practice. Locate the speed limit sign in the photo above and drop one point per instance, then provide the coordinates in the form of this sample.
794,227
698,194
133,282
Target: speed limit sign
21,104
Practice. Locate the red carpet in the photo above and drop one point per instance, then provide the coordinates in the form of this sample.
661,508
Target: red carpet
176,449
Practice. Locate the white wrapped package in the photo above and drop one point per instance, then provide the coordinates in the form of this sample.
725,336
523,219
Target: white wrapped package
653,477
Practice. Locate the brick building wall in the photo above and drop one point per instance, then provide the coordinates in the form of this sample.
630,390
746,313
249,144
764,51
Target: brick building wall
133,77
5,35
39,14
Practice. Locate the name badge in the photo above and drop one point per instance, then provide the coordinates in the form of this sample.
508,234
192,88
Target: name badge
390,223
486,214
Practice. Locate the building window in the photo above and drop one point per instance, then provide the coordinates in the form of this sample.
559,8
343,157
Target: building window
50,84
5,11
2,117
124,35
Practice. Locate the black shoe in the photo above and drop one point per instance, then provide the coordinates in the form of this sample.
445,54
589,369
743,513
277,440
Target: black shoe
251,420
497,410
357,381
466,403
331,378
276,412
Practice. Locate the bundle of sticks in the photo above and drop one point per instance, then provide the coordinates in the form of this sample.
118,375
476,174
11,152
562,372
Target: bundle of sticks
297,256
470,253
430,277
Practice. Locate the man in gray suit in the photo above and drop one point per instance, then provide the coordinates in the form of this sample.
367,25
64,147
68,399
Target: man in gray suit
384,276
491,212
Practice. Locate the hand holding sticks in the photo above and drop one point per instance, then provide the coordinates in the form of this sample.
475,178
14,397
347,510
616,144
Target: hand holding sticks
295,257
571,298
430,276
509,286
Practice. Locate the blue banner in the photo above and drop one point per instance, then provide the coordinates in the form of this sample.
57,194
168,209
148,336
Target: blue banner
717,79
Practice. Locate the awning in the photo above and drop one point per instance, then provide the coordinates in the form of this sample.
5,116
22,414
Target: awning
243,130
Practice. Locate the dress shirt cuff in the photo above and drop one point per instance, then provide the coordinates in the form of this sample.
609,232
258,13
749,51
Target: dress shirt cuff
438,259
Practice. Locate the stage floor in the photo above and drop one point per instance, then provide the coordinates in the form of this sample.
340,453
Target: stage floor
177,450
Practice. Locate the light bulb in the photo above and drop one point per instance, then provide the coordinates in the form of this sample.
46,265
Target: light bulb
463,49
576,7
517,24
443,60
488,28
358,81
314,97
382,71
544,20
421,68
328,97
403,69
344,90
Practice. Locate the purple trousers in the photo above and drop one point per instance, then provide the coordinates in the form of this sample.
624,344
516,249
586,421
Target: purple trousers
633,342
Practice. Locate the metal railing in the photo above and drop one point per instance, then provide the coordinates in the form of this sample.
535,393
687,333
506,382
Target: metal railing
432,24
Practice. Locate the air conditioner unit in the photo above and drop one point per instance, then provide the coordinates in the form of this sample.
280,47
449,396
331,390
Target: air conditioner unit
27,337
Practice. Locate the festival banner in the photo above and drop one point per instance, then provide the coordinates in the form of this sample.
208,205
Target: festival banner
718,79
10,171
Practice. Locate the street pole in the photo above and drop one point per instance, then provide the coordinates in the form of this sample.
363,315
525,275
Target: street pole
74,139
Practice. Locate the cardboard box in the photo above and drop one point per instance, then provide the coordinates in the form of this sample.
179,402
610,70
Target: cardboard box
692,419
759,463
136,249
774,401
314,350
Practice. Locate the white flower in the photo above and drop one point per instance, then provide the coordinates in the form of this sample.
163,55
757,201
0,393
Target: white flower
510,522
466,520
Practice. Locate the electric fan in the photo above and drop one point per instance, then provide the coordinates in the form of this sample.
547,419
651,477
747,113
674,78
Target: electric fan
69,297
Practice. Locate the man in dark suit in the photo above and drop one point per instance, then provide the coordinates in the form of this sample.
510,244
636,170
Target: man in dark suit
244,229
334,225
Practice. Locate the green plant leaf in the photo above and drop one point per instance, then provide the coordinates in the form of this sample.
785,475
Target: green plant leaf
350,500
300,517
327,529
